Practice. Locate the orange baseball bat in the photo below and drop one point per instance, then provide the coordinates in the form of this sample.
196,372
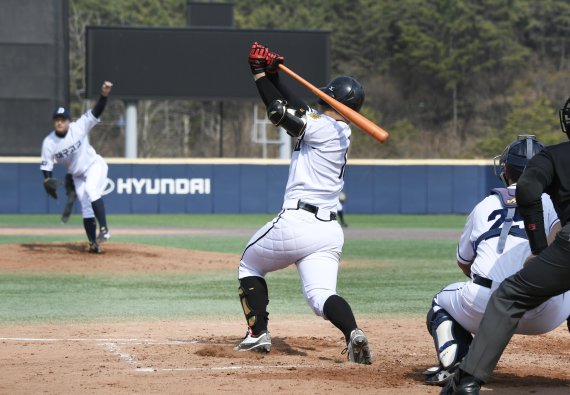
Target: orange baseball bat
358,119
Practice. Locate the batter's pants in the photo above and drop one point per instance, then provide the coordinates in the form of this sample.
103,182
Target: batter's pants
543,277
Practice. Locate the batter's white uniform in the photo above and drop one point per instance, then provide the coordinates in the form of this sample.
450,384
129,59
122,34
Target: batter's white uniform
466,301
73,151
311,241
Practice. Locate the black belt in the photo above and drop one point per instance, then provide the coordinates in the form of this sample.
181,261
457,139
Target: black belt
482,281
312,209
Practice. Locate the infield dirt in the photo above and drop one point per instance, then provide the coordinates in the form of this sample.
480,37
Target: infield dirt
197,356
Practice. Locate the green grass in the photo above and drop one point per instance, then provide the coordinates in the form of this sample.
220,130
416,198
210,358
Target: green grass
392,277
236,220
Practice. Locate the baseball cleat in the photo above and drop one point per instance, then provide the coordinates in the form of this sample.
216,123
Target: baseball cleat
441,377
357,348
104,235
260,343
94,247
461,384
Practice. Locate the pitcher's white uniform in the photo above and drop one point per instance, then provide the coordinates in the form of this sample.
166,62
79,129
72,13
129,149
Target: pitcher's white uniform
73,151
466,301
311,241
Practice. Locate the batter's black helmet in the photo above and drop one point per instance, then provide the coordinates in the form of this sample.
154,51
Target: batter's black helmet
565,118
515,157
346,90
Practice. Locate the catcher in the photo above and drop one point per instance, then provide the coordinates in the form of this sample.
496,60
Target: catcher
493,246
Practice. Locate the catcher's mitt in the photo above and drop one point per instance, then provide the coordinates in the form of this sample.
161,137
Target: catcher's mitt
50,185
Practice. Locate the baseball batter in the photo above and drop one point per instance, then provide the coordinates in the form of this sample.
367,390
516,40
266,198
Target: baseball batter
492,247
305,233
68,145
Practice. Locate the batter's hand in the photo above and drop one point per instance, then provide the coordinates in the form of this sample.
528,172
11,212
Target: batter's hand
106,88
50,185
258,58
273,62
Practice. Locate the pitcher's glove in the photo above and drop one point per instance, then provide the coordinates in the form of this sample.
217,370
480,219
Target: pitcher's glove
50,185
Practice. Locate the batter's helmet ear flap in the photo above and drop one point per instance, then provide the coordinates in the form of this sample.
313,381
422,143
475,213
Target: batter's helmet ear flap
564,114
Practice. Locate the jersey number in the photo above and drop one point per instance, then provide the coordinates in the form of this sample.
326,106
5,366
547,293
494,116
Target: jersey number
502,214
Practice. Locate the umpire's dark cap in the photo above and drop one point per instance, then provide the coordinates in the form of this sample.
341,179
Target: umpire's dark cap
61,112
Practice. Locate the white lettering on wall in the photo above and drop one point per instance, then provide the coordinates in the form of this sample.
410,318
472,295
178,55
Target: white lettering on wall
162,186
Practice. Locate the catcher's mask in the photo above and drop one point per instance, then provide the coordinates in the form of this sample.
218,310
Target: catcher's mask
515,156
565,118
346,90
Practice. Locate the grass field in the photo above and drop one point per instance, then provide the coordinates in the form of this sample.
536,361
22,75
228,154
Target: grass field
377,276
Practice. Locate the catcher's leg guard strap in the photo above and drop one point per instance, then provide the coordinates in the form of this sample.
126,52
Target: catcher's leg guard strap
254,299
451,339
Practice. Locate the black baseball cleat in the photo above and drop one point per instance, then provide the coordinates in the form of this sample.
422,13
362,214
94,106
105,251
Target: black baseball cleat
568,323
94,248
462,384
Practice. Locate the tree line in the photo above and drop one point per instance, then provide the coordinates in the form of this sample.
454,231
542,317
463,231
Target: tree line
446,78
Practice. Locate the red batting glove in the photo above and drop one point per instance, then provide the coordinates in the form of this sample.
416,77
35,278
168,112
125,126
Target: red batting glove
273,62
258,58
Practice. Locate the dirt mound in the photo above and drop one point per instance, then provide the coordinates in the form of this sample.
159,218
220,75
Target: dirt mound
116,258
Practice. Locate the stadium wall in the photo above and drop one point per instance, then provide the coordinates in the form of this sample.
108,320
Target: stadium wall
177,186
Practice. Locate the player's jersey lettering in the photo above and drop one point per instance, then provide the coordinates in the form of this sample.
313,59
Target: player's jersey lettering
68,151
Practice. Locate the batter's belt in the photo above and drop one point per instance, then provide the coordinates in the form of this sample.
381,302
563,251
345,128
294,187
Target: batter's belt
300,205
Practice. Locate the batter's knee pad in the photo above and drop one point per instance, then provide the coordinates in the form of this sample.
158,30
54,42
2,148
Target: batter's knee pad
451,339
254,299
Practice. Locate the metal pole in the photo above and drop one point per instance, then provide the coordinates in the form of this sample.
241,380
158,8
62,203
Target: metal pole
221,129
131,130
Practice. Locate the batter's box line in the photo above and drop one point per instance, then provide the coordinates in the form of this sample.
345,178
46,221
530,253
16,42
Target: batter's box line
222,368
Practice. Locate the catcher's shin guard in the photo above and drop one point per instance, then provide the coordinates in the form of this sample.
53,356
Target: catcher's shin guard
451,339
254,299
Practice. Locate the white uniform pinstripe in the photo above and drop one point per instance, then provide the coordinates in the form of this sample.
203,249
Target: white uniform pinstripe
466,301
73,151
313,242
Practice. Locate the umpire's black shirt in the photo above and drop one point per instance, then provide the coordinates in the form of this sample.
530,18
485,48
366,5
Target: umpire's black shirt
548,171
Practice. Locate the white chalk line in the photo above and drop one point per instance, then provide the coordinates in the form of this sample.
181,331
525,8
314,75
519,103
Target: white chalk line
103,340
219,368
112,346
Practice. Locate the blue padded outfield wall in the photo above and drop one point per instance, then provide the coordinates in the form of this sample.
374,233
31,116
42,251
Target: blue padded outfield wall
254,186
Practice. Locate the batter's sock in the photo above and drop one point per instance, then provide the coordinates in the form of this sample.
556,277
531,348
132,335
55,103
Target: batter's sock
90,228
99,210
254,300
338,312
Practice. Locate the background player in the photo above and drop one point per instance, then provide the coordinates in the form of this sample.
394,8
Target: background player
493,246
305,232
544,275
68,145
340,210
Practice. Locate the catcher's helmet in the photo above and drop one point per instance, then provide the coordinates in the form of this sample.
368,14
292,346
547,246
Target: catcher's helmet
346,90
565,118
515,157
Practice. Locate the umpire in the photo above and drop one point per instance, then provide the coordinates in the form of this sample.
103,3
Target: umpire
545,274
